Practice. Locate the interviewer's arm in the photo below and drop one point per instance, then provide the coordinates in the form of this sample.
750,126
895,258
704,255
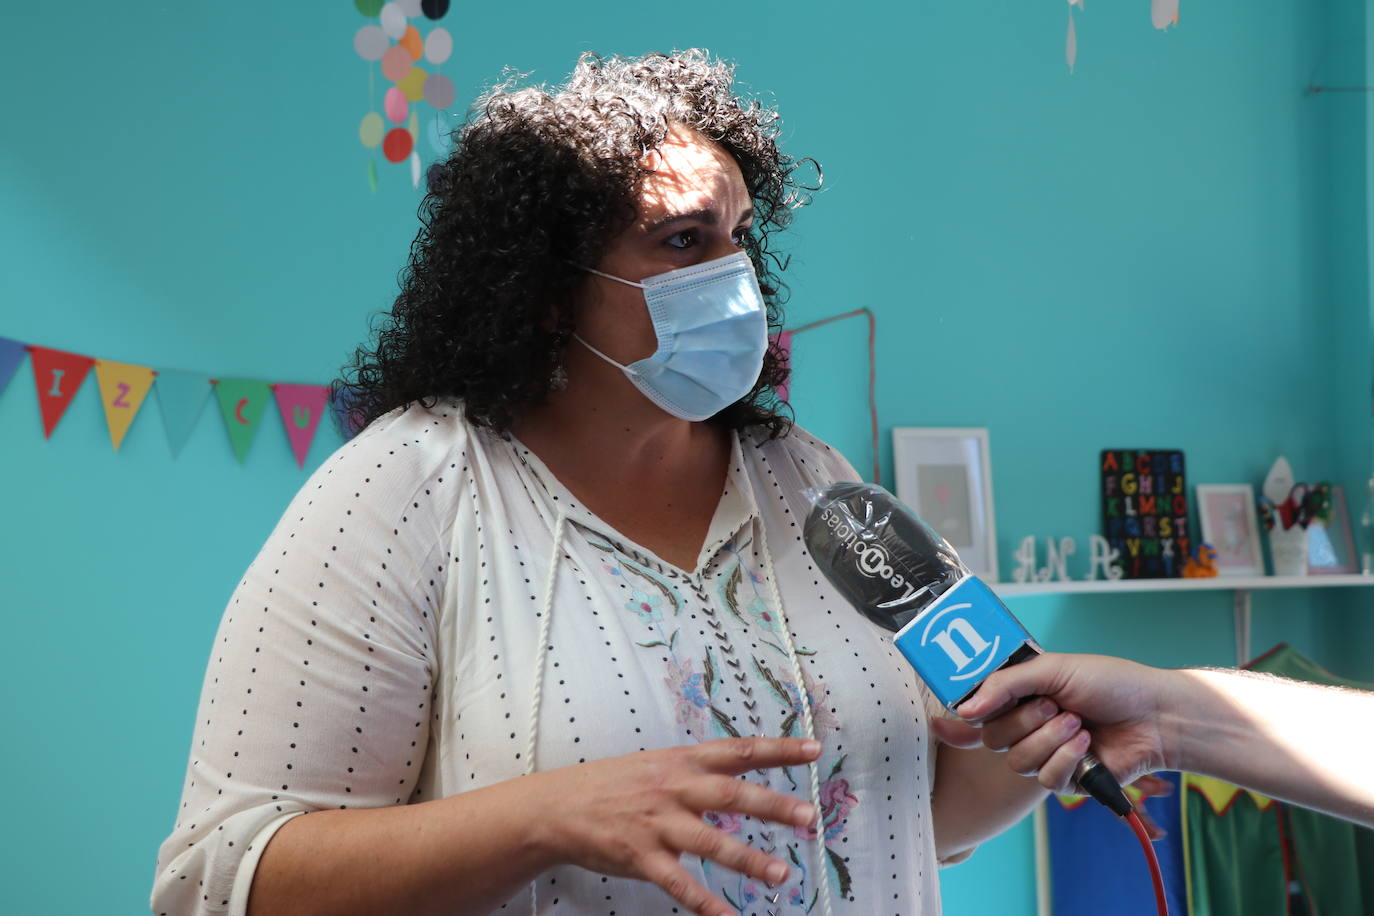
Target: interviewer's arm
1303,743
1308,744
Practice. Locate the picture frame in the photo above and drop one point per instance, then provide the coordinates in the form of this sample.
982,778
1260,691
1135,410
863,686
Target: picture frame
1231,526
945,474
1331,545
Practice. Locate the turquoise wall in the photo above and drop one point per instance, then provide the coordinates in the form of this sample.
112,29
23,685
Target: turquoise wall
1166,249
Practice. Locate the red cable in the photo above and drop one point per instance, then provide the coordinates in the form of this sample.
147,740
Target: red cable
1160,902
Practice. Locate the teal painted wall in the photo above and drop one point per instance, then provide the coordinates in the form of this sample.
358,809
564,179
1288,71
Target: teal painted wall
1168,248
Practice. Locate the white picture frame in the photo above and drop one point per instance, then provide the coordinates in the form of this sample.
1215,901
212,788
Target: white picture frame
1226,512
945,474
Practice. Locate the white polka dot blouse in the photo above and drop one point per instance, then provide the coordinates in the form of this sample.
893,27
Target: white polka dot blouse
385,645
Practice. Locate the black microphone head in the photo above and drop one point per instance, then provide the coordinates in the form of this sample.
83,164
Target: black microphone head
878,553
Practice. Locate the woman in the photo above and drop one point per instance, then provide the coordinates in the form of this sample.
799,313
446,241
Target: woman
515,644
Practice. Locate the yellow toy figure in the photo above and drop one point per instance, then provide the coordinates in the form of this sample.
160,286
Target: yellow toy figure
1201,563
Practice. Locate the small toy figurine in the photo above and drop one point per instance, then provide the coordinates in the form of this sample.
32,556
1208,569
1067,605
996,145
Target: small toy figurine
1202,563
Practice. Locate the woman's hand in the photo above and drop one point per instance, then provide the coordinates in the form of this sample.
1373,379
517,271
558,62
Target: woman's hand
634,816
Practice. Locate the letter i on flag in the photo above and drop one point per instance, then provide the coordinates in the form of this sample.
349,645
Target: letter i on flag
57,375
301,407
242,401
123,387
11,355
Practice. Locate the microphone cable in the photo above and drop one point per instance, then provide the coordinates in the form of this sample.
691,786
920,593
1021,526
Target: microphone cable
1156,877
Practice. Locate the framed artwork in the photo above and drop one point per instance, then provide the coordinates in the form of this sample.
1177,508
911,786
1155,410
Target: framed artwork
1229,524
1330,546
944,474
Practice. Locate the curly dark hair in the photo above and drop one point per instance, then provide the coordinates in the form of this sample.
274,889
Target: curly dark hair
539,178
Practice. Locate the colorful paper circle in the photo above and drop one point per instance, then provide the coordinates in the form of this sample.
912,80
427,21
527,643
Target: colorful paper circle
371,129
434,9
398,144
410,7
393,20
369,8
412,42
413,84
396,63
439,91
395,105
438,45
370,42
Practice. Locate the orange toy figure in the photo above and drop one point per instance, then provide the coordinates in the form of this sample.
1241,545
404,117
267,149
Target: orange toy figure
1202,563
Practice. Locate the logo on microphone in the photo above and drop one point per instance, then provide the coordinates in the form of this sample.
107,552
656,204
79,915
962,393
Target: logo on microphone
969,639
960,639
870,557
873,560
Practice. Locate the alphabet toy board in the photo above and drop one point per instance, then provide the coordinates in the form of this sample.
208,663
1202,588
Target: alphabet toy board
1145,510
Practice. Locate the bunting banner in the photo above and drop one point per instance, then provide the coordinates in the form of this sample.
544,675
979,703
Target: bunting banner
57,375
301,407
11,355
346,414
783,340
242,401
123,386
181,397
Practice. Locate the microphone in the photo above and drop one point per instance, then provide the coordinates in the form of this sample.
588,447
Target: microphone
900,574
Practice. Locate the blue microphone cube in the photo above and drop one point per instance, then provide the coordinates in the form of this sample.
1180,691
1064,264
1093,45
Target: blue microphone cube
965,635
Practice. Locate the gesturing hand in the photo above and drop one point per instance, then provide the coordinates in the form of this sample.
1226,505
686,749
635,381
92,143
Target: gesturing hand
634,816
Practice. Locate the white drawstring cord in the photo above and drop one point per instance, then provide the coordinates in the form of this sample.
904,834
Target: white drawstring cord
540,657
814,766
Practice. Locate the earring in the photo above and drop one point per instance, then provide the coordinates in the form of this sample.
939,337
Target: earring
559,379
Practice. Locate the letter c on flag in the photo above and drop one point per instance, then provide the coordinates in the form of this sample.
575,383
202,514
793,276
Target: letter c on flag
238,411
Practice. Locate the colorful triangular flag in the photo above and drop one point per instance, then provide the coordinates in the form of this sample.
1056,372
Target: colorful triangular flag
58,375
783,341
301,407
242,401
11,355
180,395
123,386
349,419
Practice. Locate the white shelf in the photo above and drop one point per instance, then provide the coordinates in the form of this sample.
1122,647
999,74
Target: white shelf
1217,583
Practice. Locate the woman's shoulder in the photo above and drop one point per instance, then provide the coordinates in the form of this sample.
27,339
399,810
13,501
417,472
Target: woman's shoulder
815,460
402,448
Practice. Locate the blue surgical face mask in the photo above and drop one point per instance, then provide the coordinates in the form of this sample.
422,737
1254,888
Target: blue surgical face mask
712,329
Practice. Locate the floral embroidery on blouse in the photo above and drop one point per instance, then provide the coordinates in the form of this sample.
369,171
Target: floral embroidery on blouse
657,601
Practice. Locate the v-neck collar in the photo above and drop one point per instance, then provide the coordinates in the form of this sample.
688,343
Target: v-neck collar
736,508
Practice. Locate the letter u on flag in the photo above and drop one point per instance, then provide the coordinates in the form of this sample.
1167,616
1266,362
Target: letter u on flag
301,407
57,375
123,387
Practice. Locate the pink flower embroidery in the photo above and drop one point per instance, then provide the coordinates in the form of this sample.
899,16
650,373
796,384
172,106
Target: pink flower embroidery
837,801
690,698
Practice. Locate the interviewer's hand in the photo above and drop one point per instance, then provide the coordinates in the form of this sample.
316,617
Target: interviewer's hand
1110,703
634,816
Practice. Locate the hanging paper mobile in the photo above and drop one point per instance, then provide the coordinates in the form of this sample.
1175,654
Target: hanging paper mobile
395,42
1163,13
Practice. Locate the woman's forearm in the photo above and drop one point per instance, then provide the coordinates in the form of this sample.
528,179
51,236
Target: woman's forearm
976,797
1307,744
463,854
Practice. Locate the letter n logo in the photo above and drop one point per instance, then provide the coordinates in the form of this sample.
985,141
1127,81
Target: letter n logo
961,642
969,636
